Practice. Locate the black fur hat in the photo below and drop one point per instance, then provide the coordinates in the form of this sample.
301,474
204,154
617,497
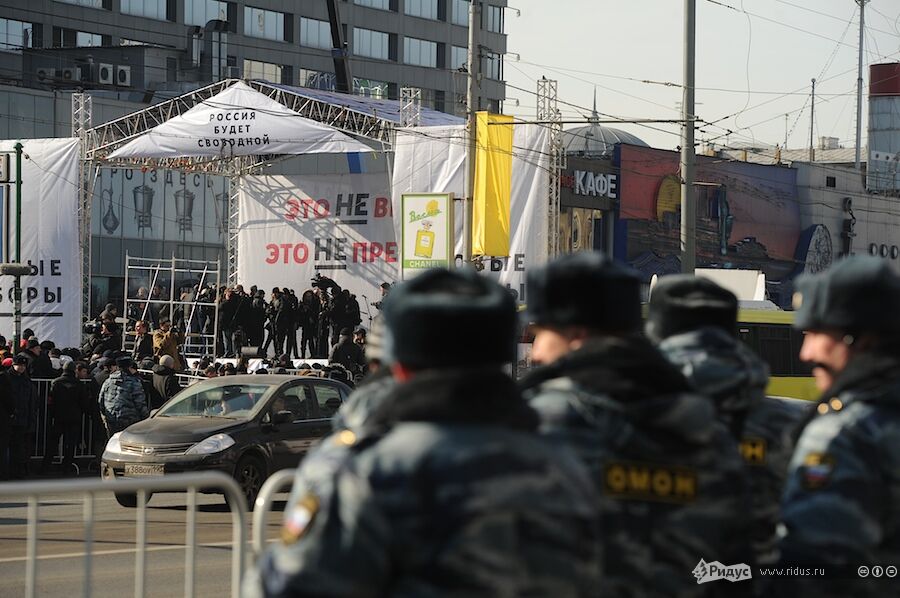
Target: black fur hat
682,302
450,318
585,289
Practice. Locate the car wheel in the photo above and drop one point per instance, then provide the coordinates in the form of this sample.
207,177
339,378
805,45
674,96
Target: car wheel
129,499
250,475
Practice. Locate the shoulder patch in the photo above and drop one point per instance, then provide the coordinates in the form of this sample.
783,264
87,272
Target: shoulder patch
816,470
298,518
753,450
649,482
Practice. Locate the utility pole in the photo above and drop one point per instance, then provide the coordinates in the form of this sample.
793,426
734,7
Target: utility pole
785,131
859,81
812,124
688,206
472,101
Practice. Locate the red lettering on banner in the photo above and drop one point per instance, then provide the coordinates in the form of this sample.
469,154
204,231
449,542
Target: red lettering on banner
382,207
272,248
375,250
301,253
390,252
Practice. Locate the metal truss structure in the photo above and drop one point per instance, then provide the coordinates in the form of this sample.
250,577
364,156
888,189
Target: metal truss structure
99,142
82,115
548,111
410,106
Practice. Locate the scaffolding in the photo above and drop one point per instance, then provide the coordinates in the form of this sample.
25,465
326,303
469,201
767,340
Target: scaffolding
182,290
548,111
410,106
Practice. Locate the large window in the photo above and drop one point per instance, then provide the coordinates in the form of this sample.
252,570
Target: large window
88,3
420,52
70,38
460,12
382,4
152,9
201,12
266,24
374,44
370,88
459,57
492,18
315,33
15,35
492,65
256,69
316,79
427,9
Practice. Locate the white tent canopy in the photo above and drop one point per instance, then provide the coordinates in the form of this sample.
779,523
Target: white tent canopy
239,121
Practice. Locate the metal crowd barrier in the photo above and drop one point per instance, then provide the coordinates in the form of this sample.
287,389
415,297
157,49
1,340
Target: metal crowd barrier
83,449
277,482
88,488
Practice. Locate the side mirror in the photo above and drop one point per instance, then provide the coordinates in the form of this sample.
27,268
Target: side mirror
283,417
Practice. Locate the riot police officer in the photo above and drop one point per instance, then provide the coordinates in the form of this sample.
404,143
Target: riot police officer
671,482
841,508
448,490
693,322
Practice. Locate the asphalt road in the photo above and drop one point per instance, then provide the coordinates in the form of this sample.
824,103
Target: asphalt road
61,546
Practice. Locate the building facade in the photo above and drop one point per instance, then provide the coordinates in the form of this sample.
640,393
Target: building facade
139,47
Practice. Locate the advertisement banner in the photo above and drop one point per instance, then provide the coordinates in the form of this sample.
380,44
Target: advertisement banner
427,232
433,159
51,295
340,226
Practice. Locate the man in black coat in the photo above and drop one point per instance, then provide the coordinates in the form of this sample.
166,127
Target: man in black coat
24,415
7,412
165,382
65,403
348,354
143,342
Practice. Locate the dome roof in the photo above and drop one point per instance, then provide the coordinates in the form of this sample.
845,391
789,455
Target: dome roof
594,139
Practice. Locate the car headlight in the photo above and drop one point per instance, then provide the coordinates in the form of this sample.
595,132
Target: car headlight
113,446
213,444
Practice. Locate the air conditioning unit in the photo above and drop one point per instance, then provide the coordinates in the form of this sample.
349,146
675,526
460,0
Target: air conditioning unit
123,76
45,74
106,74
231,72
70,74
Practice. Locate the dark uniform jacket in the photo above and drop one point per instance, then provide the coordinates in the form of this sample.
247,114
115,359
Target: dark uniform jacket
122,401
24,407
67,398
165,383
841,507
671,480
456,496
726,370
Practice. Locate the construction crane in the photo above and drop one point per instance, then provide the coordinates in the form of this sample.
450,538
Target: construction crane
339,50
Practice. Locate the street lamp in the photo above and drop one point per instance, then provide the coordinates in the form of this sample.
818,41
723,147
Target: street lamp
17,270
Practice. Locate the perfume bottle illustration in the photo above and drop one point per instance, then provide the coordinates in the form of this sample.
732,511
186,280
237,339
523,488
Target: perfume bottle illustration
424,241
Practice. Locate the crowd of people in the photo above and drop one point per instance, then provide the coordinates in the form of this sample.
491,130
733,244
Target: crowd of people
639,459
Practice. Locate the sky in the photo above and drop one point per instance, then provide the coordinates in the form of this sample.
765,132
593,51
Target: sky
754,63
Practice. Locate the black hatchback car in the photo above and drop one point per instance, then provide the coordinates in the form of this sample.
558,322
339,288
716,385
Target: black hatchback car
246,426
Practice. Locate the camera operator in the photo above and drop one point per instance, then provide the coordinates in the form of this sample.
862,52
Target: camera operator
166,341
104,337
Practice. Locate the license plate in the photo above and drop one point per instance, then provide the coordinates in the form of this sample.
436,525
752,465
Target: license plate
141,469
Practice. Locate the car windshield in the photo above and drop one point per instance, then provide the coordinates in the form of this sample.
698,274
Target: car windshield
234,401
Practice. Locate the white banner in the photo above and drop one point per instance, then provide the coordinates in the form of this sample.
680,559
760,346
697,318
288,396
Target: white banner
51,296
239,122
433,160
292,227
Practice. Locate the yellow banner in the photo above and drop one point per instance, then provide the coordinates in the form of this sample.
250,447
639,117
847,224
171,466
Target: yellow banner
493,179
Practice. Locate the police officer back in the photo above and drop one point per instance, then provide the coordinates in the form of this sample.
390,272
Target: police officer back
841,508
448,490
670,478
693,322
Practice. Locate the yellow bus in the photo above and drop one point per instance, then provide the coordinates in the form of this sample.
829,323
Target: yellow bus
770,334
